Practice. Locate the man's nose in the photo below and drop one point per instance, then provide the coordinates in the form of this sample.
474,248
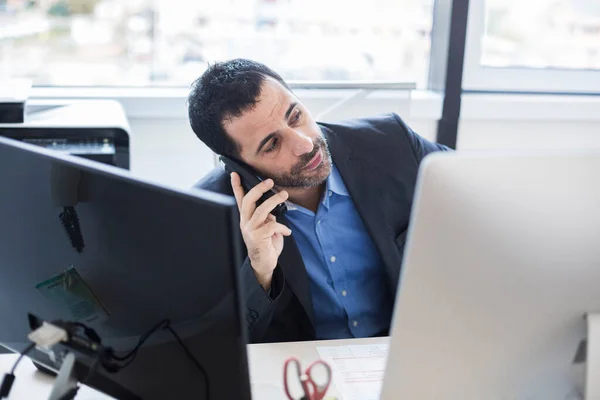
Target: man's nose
301,144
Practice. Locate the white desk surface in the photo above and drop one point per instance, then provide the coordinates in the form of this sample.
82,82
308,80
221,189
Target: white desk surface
266,370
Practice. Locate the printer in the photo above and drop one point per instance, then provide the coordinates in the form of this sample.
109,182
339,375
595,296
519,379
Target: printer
93,129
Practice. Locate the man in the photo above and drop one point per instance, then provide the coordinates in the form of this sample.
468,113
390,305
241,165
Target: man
329,267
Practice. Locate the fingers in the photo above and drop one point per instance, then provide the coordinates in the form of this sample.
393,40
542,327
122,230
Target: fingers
264,210
270,229
238,190
247,201
250,199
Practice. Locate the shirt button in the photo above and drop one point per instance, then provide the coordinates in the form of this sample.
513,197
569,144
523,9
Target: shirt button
332,259
319,221
330,193
355,323
344,293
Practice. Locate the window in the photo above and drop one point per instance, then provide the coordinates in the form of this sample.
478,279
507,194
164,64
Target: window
169,42
533,45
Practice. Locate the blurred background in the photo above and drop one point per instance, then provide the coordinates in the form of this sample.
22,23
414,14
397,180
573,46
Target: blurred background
169,42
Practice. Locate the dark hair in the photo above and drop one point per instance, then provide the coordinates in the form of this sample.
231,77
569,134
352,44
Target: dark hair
225,90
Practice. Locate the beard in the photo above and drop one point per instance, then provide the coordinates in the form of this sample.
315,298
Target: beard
300,178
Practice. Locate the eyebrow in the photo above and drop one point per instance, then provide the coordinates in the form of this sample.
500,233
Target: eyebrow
272,134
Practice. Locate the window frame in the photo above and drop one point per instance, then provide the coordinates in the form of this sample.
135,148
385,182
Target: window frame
520,80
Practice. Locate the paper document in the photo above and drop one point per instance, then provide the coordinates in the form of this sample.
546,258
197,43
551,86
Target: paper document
357,369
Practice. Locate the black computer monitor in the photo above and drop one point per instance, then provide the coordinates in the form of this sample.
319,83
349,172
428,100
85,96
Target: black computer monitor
89,243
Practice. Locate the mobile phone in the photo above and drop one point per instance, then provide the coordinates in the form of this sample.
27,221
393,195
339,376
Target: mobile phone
250,178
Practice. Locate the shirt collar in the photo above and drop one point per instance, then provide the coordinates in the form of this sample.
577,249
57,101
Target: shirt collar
335,182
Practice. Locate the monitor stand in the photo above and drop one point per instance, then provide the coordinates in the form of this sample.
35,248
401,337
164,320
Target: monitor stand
66,381
70,373
592,377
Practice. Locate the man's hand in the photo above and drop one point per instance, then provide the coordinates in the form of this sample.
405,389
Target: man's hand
262,233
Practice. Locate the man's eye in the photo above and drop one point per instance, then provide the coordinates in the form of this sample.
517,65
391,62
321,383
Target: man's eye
296,117
272,146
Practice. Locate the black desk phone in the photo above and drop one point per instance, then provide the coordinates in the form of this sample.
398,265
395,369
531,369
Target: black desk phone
251,178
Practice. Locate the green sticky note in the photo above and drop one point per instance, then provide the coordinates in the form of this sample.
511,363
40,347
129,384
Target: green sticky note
69,291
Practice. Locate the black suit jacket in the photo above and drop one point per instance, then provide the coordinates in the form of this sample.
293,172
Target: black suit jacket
378,159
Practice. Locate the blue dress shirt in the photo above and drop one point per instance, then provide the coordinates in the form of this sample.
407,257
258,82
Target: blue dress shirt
346,273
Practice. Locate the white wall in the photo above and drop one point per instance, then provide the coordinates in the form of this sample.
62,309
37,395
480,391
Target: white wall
167,150
528,135
529,122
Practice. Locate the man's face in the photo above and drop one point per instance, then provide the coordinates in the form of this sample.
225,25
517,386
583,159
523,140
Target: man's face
279,138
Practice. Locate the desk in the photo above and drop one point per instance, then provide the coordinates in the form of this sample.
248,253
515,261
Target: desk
266,370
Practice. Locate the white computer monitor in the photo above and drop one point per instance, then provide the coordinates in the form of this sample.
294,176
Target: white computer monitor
502,265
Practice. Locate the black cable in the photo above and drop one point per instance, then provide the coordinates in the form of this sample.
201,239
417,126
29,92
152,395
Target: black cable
9,379
23,354
191,357
141,341
164,324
